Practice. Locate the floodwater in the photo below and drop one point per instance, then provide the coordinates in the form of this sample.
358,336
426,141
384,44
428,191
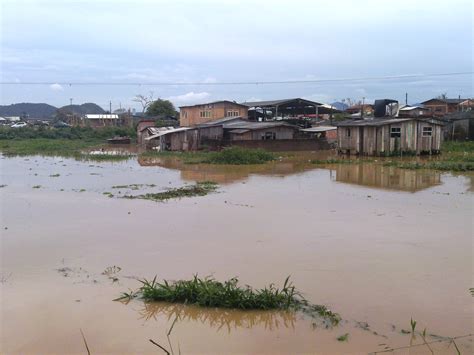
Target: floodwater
376,244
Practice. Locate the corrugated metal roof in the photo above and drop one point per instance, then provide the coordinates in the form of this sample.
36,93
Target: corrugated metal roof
239,131
319,129
409,108
163,133
278,102
256,125
213,103
382,121
448,101
220,121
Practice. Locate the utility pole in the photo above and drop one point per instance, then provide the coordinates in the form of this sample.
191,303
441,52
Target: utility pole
72,113
362,108
406,99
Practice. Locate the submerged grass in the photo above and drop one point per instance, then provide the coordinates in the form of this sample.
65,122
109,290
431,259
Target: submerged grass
208,292
198,189
227,156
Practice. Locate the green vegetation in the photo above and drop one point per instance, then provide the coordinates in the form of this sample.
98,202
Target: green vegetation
55,175
63,147
208,292
37,186
81,133
161,107
230,156
199,189
344,337
413,325
68,141
240,156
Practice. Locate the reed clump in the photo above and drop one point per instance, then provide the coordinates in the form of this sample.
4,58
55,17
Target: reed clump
208,292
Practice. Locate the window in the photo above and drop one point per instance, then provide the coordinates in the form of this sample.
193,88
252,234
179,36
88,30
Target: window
205,114
185,114
427,131
269,136
348,132
395,132
232,113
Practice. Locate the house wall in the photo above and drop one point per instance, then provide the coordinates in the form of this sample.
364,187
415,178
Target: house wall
282,132
426,144
191,115
347,143
440,108
371,140
142,133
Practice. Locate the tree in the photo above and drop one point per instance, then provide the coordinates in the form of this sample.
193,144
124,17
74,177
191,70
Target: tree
144,100
161,107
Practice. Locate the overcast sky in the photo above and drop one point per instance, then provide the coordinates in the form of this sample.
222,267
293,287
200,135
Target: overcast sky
227,41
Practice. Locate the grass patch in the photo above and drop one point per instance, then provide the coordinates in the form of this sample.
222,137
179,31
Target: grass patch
68,142
198,189
73,133
51,147
239,156
208,292
344,337
229,156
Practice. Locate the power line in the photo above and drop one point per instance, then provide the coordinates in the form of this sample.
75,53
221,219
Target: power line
283,82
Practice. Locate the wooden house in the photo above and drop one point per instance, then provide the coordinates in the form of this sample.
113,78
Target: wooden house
387,136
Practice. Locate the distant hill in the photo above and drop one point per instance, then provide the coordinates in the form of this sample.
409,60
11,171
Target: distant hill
340,106
84,109
32,110
45,111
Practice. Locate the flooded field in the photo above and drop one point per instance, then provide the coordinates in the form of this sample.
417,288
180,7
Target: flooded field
377,244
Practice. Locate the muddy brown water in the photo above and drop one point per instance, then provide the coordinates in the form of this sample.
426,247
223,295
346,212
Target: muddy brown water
376,244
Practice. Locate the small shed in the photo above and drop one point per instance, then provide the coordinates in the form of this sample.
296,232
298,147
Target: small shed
251,131
387,136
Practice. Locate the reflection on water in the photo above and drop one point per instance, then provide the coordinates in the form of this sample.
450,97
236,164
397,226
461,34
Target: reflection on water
228,173
386,177
365,174
218,318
